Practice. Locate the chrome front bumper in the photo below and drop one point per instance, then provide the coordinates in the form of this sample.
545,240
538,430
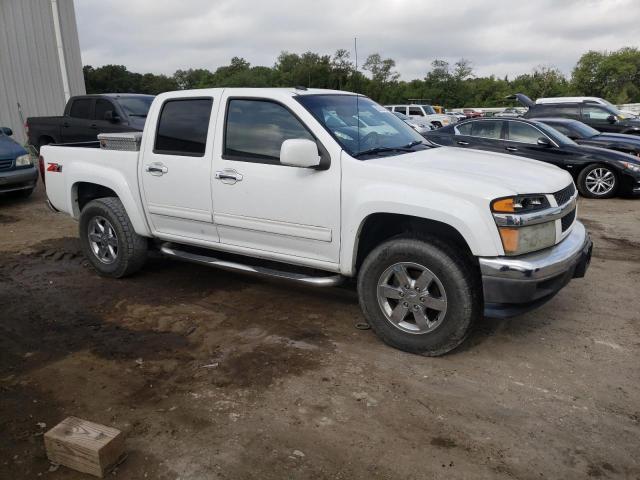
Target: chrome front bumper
513,285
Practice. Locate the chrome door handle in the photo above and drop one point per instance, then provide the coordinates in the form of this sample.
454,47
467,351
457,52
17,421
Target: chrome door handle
511,149
228,176
156,169
460,142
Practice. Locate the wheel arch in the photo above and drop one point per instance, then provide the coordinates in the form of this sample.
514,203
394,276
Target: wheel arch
380,227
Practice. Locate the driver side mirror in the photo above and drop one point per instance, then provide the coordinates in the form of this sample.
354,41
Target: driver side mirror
612,119
543,142
7,131
299,152
110,116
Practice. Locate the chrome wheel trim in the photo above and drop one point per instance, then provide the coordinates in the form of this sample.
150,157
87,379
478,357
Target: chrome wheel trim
103,240
600,181
412,298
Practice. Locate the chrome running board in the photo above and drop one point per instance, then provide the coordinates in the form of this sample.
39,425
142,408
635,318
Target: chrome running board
328,281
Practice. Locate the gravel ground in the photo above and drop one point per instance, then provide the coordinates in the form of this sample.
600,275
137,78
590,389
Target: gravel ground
214,375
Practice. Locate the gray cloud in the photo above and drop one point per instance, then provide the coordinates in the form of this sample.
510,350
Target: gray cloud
498,36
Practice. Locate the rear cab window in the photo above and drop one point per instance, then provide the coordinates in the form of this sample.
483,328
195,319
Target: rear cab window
182,127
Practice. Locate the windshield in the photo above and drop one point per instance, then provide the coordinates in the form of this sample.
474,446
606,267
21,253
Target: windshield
379,130
136,106
401,116
428,109
582,130
554,134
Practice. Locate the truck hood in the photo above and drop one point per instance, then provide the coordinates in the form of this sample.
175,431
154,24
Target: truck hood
494,174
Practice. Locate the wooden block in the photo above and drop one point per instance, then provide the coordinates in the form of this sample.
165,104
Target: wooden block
84,446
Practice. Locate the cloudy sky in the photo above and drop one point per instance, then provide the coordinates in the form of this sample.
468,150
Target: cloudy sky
498,36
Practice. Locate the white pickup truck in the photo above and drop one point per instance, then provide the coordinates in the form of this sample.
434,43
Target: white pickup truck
267,181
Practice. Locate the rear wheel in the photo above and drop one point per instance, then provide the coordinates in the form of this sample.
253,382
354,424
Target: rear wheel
108,239
418,295
597,181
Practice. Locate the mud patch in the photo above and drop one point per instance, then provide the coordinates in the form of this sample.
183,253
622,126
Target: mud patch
443,442
612,248
5,219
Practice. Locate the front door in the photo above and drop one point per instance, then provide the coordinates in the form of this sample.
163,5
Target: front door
598,117
261,204
175,171
522,140
77,126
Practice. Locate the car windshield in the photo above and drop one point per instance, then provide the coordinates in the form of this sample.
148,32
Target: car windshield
554,134
428,109
582,130
379,131
136,106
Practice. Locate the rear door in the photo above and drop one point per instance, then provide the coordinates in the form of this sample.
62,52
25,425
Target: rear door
175,170
261,204
76,127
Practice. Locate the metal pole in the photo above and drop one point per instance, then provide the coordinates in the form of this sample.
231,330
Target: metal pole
60,46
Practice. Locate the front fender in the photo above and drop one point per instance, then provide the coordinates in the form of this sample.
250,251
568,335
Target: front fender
470,219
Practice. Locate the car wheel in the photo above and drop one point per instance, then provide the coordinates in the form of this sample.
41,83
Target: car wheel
597,181
419,295
108,239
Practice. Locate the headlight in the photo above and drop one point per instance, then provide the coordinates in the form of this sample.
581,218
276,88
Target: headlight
631,166
512,215
24,161
520,204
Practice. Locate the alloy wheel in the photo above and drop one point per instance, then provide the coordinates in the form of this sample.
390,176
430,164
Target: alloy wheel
412,297
103,239
600,181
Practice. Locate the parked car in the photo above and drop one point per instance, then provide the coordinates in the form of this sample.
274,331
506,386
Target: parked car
583,134
422,113
265,174
599,173
459,115
472,112
417,125
599,100
18,174
509,112
603,118
86,116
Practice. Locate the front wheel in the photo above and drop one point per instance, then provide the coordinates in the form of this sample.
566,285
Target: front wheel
419,296
597,181
108,239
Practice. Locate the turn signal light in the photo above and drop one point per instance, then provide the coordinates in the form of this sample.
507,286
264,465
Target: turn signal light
510,237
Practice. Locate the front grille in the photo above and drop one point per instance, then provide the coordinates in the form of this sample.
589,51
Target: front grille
6,164
568,219
564,195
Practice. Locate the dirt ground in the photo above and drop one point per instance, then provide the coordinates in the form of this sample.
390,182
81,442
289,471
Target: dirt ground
220,376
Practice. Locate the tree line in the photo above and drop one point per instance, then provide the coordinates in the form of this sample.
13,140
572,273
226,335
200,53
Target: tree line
611,75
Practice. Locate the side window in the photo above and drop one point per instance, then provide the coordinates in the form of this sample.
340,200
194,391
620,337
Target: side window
561,128
464,129
416,111
182,127
102,107
523,133
490,129
255,130
81,108
567,111
597,114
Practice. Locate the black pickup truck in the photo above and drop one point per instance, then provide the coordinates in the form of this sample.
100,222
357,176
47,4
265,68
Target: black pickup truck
86,116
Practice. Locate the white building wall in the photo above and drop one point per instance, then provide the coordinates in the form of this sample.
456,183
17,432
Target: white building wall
29,62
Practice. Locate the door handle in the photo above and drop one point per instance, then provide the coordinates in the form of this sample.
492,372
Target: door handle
460,142
228,176
156,169
511,149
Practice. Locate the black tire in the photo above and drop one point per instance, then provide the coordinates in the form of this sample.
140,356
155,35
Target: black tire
131,247
582,182
461,282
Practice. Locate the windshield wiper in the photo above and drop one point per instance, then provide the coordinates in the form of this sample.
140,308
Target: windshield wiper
373,151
